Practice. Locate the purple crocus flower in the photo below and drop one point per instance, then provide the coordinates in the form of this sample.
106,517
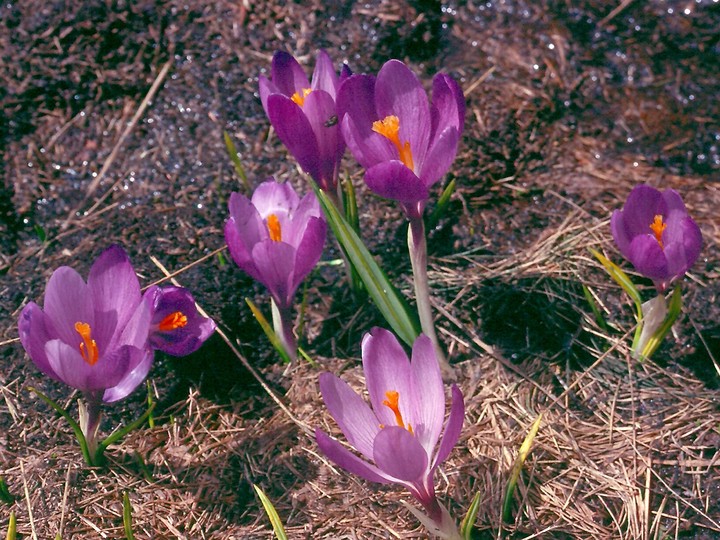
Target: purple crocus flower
177,327
404,142
656,234
398,435
92,336
276,237
304,116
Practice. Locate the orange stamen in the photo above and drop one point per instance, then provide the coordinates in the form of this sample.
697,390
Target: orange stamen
299,98
658,227
173,321
273,225
389,127
393,402
88,347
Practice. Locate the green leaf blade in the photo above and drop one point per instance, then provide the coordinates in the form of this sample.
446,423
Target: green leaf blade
275,521
382,292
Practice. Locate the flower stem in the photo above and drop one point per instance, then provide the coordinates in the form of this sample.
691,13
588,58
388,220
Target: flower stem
282,323
90,416
417,247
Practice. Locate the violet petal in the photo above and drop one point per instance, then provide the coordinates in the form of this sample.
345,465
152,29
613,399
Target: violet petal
398,453
428,393
398,92
393,180
387,368
453,428
349,461
352,414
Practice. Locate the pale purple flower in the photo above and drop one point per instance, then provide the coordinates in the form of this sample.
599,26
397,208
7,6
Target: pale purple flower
304,116
405,142
92,336
276,237
656,234
177,327
398,435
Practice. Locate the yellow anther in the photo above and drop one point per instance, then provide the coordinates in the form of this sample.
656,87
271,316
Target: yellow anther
88,347
389,127
273,225
393,403
173,321
299,98
658,227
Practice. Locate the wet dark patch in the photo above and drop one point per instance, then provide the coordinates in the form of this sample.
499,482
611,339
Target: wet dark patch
533,317
706,348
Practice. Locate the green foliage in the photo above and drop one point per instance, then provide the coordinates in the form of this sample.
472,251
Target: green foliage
269,332
674,310
517,469
383,293
239,169
12,528
466,527
127,517
277,525
97,458
442,205
5,495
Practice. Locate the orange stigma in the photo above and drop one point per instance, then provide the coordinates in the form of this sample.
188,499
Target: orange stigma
299,98
88,347
173,321
273,225
393,403
658,227
389,127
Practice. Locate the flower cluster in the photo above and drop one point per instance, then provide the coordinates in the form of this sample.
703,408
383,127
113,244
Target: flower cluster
99,336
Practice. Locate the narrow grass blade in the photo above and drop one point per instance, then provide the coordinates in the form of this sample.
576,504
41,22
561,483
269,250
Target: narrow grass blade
442,206
127,517
307,357
350,204
517,469
73,424
118,434
239,169
12,528
5,495
351,216
151,403
674,310
620,277
466,527
384,295
147,475
41,234
599,318
272,514
269,332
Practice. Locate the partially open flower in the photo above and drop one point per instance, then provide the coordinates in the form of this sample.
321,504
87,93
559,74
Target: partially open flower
276,237
397,437
177,327
405,142
304,116
92,336
656,234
